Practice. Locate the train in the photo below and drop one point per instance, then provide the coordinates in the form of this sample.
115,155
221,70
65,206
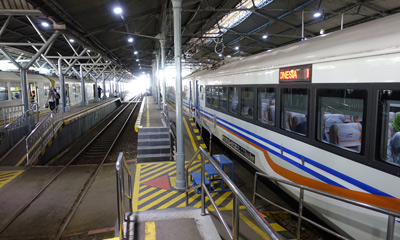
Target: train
317,112
11,93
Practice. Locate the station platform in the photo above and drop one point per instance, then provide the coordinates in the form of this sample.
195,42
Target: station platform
159,210
17,155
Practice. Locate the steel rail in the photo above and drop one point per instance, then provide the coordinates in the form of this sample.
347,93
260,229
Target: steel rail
22,209
89,184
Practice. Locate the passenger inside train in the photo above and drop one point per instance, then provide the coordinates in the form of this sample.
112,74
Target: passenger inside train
393,149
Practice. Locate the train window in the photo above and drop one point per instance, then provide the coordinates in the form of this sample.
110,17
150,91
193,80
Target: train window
340,117
208,96
3,91
223,98
215,96
15,89
389,127
233,97
266,105
247,102
294,110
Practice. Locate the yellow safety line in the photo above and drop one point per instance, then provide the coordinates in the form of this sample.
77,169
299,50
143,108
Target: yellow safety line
148,115
141,201
157,201
190,135
159,174
150,189
135,197
150,231
172,201
13,174
253,226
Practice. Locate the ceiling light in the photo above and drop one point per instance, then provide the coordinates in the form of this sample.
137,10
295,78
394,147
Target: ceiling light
117,10
45,24
322,31
265,36
220,55
317,14
135,52
137,60
237,48
88,50
130,39
71,40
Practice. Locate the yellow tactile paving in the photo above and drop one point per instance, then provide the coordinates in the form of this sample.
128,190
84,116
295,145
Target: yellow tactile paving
7,176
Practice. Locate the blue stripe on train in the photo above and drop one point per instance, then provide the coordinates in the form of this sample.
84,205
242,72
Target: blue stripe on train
331,171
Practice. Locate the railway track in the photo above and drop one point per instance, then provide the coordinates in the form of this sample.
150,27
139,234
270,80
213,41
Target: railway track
94,152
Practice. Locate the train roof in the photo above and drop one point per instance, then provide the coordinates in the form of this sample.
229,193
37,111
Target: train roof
9,76
373,38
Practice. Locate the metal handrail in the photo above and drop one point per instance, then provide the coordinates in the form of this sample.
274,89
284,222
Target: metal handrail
391,214
121,166
238,197
11,114
41,135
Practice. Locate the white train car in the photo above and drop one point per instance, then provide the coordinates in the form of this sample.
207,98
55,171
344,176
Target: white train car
73,89
11,92
318,113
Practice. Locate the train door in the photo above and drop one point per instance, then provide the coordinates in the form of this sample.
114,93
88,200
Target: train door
197,98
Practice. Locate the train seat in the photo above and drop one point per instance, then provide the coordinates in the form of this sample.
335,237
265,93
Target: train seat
346,135
329,119
299,123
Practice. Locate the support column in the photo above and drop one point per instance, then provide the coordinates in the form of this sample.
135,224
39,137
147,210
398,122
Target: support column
96,94
104,87
163,83
63,95
158,80
180,155
83,89
24,88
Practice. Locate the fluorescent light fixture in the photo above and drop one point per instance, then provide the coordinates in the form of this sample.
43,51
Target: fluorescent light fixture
135,52
117,10
265,36
130,39
137,60
317,14
71,40
237,48
45,24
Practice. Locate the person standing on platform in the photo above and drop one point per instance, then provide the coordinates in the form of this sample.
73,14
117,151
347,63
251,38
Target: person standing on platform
51,99
99,91
57,99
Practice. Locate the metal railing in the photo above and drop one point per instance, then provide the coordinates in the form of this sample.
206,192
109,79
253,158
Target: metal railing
12,112
391,214
238,197
41,135
15,131
122,167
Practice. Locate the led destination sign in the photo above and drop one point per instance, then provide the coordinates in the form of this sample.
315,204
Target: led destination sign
295,74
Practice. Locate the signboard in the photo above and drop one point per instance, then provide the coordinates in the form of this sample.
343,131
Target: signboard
295,74
244,152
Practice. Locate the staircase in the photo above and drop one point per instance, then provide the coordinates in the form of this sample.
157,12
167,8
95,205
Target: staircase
153,144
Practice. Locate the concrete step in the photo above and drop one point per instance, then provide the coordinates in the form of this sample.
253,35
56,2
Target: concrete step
153,135
153,142
152,157
153,149
153,129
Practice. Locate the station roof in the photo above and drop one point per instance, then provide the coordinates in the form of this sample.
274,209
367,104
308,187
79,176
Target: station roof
212,30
